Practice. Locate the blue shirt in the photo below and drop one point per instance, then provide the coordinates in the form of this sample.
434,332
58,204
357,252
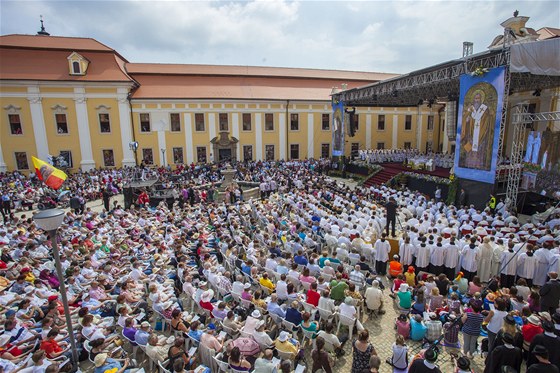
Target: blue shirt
196,334
293,316
417,330
246,269
300,260
141,337
276,309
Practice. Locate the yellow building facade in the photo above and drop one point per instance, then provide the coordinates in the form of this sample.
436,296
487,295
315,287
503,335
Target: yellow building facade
78,98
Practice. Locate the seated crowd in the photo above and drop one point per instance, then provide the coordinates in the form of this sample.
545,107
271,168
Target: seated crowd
248,285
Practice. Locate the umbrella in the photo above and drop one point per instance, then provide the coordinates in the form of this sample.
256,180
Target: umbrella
247,346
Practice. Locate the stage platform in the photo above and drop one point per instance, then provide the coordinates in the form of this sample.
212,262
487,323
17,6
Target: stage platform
391,169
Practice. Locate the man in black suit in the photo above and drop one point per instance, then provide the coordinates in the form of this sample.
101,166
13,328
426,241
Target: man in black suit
550,294
75,203
391,208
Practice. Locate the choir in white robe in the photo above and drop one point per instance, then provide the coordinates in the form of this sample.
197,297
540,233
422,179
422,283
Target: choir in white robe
526,265
469,258
451,256
406,252
382,249
511,267
423,255
437,255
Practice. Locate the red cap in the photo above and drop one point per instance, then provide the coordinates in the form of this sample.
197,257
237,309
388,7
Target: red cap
52,297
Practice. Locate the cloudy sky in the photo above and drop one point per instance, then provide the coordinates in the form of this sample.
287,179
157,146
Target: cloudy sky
384,36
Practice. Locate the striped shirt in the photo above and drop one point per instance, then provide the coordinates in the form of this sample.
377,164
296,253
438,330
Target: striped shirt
472,325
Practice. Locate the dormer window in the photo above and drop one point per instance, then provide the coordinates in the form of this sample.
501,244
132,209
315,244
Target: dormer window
77,64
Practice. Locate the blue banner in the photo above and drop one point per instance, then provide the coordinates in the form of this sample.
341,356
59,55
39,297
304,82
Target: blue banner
478,125
338,129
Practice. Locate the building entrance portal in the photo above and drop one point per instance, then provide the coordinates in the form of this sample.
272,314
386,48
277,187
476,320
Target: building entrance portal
224,155
225,147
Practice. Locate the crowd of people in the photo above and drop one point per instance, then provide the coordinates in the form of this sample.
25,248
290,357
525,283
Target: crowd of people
251,283
408,155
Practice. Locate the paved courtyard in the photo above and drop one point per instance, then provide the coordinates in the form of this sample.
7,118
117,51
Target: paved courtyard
381,329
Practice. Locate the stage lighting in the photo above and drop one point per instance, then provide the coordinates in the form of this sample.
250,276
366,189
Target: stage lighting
537,92
431,102
420,102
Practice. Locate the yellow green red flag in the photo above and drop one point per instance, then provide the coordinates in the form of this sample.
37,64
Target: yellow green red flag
51,176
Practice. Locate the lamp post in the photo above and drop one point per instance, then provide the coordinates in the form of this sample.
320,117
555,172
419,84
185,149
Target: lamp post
164,161
50,220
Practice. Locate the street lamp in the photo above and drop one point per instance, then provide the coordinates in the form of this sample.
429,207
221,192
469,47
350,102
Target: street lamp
50,220
163,157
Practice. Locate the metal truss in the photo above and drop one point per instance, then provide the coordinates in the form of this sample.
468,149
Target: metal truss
521,119
441,82
505,99
516,157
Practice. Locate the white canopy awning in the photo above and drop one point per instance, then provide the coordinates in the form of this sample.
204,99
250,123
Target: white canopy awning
538,57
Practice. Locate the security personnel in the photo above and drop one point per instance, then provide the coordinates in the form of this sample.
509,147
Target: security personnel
492,202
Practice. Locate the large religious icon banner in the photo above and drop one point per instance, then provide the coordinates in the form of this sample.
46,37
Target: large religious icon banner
478,124
338,129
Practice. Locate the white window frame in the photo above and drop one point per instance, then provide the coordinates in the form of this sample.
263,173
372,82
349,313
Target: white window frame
14,110
205,153
243,122
203,123
144,158
273,125
16,161
171,123
298,150
140,122
273,152
103,157
182,153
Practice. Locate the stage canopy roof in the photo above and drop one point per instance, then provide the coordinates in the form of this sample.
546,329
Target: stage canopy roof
532,66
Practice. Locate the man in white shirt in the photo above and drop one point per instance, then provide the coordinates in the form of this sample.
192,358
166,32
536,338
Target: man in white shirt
374,298
282,288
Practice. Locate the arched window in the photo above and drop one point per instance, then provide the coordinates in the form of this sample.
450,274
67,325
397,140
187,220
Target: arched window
76,69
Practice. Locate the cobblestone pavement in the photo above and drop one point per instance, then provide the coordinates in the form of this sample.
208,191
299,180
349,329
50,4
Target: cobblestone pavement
381,330
382,335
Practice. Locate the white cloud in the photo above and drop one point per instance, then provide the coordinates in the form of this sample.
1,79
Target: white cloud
386,36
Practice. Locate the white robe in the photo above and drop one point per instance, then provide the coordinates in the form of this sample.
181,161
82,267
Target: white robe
437,255
451,256
485,256
497,259
422,255
382,249
469,258
511,267
544,257
407,252
526,266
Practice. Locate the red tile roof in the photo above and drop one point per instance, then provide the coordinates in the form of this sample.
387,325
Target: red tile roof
52,65
178,69
53,42
236,87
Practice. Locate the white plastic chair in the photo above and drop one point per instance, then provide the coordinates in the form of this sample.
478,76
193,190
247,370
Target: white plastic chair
162,368
223,366
346,321
290,327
